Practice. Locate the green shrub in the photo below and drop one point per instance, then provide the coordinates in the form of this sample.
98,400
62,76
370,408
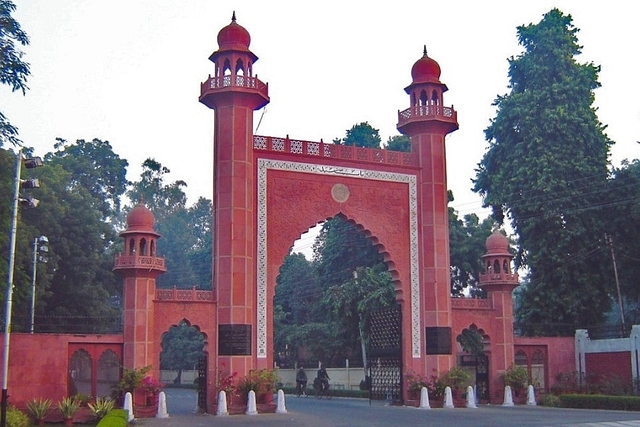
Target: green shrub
115,418
550,400
16,418
599,401
101,407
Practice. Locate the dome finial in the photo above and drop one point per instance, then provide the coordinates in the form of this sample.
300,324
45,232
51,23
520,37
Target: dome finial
233,17
424,53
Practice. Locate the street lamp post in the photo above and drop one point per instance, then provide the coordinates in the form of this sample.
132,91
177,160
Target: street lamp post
40,250
29,202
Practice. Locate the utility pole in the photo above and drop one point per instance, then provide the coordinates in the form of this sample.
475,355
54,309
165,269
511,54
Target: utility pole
40,251
615,272
29,202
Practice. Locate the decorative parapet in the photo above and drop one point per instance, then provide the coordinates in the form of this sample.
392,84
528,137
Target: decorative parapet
139,261
333,151
471,304
499,278
214,84
421,112
175,294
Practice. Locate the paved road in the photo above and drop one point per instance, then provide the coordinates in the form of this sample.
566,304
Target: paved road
338,412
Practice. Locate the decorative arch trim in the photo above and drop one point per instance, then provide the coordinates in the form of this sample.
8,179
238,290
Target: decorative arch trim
261,292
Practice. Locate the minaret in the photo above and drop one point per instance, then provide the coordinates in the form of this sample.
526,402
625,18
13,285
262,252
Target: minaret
234,94
427,122
499,281
139,266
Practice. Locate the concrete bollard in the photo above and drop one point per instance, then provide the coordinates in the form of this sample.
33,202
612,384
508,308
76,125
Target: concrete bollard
252,408
424,398
281,408
531,396
222,411
508,397
471,398
128,405
448,398
162,406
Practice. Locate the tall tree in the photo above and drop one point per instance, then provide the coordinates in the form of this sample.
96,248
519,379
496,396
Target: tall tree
399,143
467,238
545,169
13,69
182,347
361,135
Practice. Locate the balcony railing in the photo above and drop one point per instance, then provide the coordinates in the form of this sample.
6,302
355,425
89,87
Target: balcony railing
176,294
420,112
246,82
333,151
140,261
471,304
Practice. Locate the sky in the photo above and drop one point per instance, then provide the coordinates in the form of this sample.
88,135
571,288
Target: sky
129,71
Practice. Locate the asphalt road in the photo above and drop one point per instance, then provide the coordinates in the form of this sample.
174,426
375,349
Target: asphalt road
338,412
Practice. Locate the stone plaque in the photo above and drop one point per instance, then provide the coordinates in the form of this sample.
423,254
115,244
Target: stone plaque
438,340
234,340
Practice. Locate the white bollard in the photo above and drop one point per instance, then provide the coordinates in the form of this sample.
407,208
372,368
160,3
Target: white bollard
281,408
448,398
508,397
471,398
222,404
531,396
424,398
162,406
252,408
128,405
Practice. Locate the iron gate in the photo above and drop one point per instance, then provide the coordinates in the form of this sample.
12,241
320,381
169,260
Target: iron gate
202,384
385,354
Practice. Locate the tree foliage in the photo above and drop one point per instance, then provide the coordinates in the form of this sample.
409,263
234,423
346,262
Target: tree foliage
399,143
467,238
361,135
182,347
546,169
13,69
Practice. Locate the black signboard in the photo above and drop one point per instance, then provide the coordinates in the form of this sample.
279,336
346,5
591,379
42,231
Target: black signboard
234,340
438,340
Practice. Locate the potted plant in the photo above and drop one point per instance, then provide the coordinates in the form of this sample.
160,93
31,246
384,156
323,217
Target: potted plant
38,409
517,378
456,378
151,388
415,382
101,407
68,406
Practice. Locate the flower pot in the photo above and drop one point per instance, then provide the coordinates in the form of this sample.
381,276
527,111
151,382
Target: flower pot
68,421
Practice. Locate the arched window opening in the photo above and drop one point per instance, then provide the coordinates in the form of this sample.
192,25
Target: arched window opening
505,266
489,267
226,68
108,373
80,371
521,358
132,247
423,98
496,267
239,67
143,247
152,248
538,369
434,98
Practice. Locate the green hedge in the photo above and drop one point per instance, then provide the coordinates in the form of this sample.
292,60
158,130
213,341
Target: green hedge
599,401
115,418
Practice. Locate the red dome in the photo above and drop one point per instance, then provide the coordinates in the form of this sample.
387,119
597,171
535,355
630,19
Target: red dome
425,70
234,36
497,244
140,219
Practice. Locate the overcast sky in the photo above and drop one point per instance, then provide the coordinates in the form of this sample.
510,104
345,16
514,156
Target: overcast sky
129,71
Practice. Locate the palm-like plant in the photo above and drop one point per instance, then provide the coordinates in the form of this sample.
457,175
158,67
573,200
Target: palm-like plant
68,406
101,407
38,408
